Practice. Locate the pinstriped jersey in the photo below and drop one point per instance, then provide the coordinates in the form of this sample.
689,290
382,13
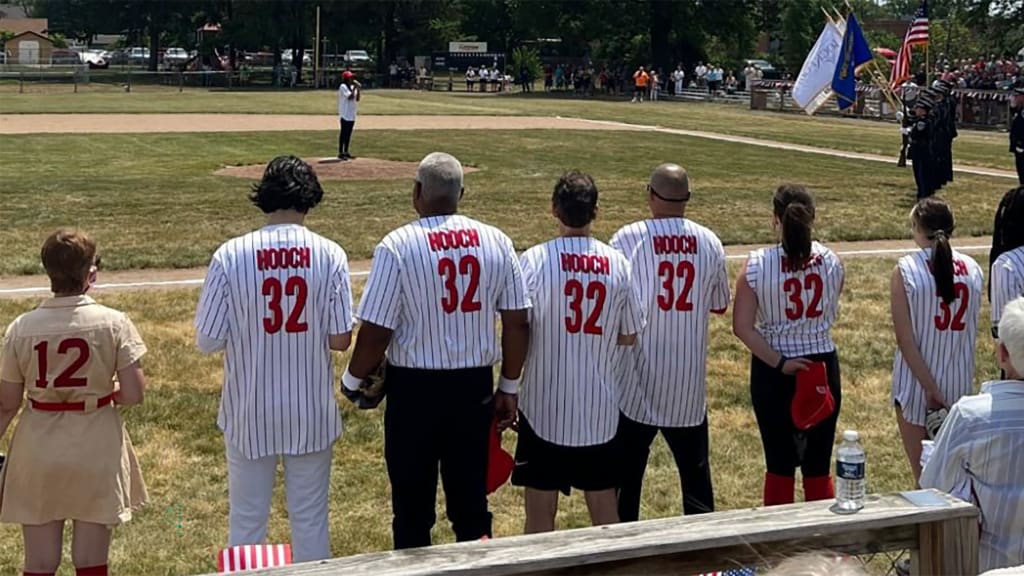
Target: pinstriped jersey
796,306
944,333
1007,281
678,270
275,295
439,283
582,300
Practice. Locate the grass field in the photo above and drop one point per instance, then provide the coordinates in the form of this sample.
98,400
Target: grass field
181,449
152,199
973,147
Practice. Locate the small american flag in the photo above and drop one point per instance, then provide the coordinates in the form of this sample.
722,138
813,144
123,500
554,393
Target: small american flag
732,572
254,557
918,32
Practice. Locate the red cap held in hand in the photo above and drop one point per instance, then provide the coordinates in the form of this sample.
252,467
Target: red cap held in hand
499,462
813,401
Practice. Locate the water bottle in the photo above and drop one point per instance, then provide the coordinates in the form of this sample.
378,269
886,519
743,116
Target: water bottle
850,483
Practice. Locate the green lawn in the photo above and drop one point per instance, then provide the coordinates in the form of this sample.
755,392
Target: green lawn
152,199
973,147
181,450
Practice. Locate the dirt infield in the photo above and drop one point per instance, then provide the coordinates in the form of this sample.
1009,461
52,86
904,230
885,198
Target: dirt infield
149,123
154,279
335,169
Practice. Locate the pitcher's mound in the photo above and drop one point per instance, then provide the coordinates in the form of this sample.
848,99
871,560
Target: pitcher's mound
334,169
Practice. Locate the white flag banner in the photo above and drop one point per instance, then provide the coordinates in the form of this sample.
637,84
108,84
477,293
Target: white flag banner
813,86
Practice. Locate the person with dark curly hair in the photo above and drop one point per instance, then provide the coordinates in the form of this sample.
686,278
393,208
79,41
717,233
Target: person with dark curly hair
277,301
584,307
1006,259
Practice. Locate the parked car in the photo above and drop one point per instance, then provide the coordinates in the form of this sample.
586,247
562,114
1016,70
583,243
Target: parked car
357,57
175,56
286,57
95,59
769,71
137,55
62,57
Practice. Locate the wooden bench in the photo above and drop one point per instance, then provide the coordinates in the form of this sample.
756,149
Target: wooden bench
943,540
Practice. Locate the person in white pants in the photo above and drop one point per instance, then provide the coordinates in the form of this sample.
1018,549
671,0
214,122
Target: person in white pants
278,301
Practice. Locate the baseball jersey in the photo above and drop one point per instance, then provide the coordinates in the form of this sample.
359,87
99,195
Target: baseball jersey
1007,281
347,106
582,300
79,463
796,306
944,333
439,283
678,270
276,295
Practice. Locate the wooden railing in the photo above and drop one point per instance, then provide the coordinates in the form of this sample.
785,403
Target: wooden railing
943,540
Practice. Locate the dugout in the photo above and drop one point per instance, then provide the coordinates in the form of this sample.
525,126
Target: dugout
453,66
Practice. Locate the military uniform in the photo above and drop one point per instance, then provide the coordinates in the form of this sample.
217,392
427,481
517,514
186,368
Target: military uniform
921,135
1017,139
909,93
71,458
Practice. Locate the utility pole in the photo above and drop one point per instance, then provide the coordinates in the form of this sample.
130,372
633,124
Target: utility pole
316,50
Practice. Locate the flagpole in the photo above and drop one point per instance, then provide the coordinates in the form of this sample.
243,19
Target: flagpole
927,64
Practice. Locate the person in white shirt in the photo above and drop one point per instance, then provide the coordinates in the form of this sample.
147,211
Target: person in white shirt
979,452
678,77
436,290
935,297
1006,278
678,268
584,306
787,300
701,72
349,93
277,301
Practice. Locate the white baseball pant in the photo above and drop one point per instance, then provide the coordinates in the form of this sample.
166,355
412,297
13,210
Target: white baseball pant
307,480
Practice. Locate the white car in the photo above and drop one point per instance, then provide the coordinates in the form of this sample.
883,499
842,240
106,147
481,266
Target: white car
286,57
357,57
137,55
94,58
175,56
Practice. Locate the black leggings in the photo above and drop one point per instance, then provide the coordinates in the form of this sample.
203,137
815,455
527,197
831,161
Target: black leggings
785,447
347,127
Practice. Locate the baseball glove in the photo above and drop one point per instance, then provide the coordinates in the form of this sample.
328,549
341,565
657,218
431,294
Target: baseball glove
371,391
933,420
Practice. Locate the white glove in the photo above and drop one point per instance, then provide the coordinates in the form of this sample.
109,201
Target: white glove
899,116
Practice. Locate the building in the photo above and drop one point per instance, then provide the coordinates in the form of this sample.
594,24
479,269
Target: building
29,49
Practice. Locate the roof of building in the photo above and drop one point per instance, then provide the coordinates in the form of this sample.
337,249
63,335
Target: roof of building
18,25
42,37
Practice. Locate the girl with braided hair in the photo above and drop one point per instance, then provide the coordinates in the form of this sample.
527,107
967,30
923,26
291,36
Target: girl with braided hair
1007,256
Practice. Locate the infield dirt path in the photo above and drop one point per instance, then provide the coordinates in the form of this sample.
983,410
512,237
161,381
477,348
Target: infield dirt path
157,279
152,123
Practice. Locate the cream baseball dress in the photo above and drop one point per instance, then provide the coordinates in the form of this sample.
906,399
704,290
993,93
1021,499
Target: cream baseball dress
70,458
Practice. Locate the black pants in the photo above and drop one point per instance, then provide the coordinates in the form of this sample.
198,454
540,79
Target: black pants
689,447
923,177
1019,159
347,127
438,418
903,151
785,447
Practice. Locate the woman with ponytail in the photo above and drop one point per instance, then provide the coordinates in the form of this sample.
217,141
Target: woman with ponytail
1006,277
787,298
935,298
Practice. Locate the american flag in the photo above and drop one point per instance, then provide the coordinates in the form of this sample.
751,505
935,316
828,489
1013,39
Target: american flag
244,558
917,35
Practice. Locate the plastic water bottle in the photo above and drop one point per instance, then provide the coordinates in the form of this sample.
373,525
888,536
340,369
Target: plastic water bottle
851,486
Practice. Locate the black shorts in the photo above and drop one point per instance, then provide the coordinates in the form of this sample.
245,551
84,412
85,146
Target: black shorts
542,465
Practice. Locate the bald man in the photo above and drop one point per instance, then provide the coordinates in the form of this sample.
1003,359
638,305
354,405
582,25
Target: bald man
678,268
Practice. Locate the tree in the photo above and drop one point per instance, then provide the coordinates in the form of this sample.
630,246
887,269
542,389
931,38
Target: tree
801,22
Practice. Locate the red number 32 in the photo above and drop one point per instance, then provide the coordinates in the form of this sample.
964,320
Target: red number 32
795,309
596,292
293,286
468,266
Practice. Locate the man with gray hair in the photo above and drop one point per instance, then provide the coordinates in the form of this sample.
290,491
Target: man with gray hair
979,453
436,289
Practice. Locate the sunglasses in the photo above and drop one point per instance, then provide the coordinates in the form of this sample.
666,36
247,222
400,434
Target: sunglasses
660,197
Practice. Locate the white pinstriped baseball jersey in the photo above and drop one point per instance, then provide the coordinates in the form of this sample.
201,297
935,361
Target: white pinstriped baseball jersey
796,307
678,269
945,334
275,295
582,300
439,283
1007,281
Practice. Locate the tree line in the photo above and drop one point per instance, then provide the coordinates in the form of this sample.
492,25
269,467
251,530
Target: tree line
630,32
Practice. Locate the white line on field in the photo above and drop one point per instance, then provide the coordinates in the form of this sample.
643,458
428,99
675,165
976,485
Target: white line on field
199,281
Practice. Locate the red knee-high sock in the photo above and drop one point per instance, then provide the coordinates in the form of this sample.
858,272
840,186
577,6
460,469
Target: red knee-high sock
39,573
778,489
92,571
818,488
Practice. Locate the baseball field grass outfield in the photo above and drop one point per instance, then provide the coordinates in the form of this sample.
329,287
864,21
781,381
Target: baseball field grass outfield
976,148
182,451
153,200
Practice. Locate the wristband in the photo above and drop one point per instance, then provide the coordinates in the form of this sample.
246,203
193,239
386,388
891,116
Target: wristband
509,386
782,362
351,382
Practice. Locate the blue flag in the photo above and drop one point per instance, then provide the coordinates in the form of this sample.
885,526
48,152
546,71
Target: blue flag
855,51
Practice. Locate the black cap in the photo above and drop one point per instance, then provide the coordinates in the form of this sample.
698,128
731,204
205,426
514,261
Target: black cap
924,102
